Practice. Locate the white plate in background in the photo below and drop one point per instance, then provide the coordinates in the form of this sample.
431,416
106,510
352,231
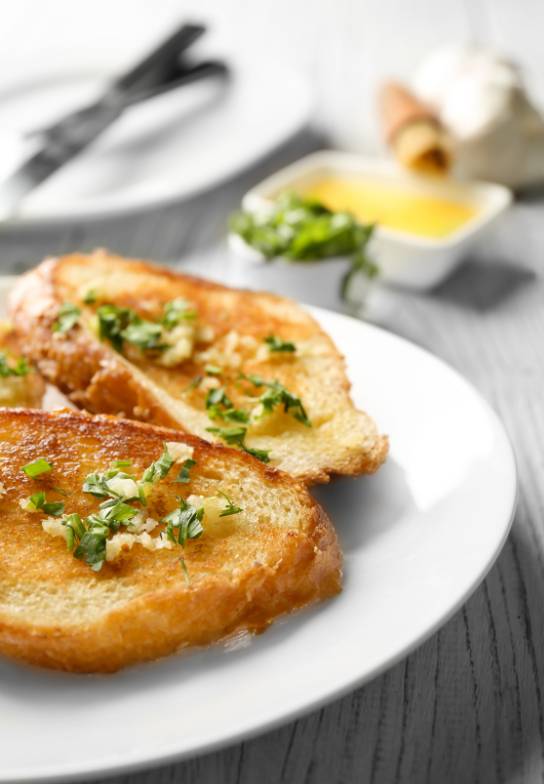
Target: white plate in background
417,537
164,149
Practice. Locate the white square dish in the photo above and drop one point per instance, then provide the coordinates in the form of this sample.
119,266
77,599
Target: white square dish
404,259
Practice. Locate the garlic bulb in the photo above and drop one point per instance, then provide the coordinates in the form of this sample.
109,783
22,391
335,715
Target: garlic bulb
482,101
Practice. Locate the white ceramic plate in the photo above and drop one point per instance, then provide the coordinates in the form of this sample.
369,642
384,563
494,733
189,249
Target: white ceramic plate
418,537
165,149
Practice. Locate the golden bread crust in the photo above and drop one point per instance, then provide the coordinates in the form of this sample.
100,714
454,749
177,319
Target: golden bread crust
279,554
342,441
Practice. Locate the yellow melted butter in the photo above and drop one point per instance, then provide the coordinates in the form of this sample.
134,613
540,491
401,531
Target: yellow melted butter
392,205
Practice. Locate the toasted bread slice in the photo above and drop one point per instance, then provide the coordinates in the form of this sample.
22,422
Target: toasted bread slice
276,555
229,340
20,384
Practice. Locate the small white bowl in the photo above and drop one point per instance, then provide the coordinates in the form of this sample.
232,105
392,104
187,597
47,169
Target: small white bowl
404,259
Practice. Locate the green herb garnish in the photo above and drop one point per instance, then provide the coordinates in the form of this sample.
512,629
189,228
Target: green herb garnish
235,436
90,297
176,311
219,406
37,467
123,324
158,469
277,395
212,370
38,502
20,368
303,229
92,547
230,509
276,344
184,476
184,523
120,324
67,317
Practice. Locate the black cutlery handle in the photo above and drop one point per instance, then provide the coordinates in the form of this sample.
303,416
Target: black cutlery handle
144,73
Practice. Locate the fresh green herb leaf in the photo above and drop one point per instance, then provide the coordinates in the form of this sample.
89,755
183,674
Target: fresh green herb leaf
37,467
277,395
159,468
276,344
96,483
184,523
185,571
302,229
111,323
90,297
193,384
219,406
261,454
230,509
67,317
38,502
361,266
92,548
184,476
146,335
212,370
117,512
176,311
121,463
20,368
235,436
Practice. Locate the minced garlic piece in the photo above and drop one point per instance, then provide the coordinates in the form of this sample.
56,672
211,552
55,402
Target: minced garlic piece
180,342
204,333
229,354
213,506
179,451
54,527
120,542
139,524
123,487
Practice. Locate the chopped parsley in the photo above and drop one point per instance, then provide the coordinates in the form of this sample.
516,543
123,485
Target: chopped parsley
67,317
90,297
235,436
146,335
184,475
111,484
277,395
20,368
184,523
123,324
92,546
37,467
303,229
38,502
193,383
219,406
212,370
158,469
121,463
276,344
176,311
230,509
87,537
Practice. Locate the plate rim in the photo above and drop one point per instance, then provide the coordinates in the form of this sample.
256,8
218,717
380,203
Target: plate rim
170,195
168,757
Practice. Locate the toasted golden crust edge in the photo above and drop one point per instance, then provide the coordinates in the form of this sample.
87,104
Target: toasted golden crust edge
158,624
95,379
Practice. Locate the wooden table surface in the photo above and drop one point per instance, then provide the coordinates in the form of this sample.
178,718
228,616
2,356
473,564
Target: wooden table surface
468,705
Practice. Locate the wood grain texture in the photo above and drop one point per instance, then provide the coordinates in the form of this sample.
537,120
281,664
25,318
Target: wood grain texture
467,706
